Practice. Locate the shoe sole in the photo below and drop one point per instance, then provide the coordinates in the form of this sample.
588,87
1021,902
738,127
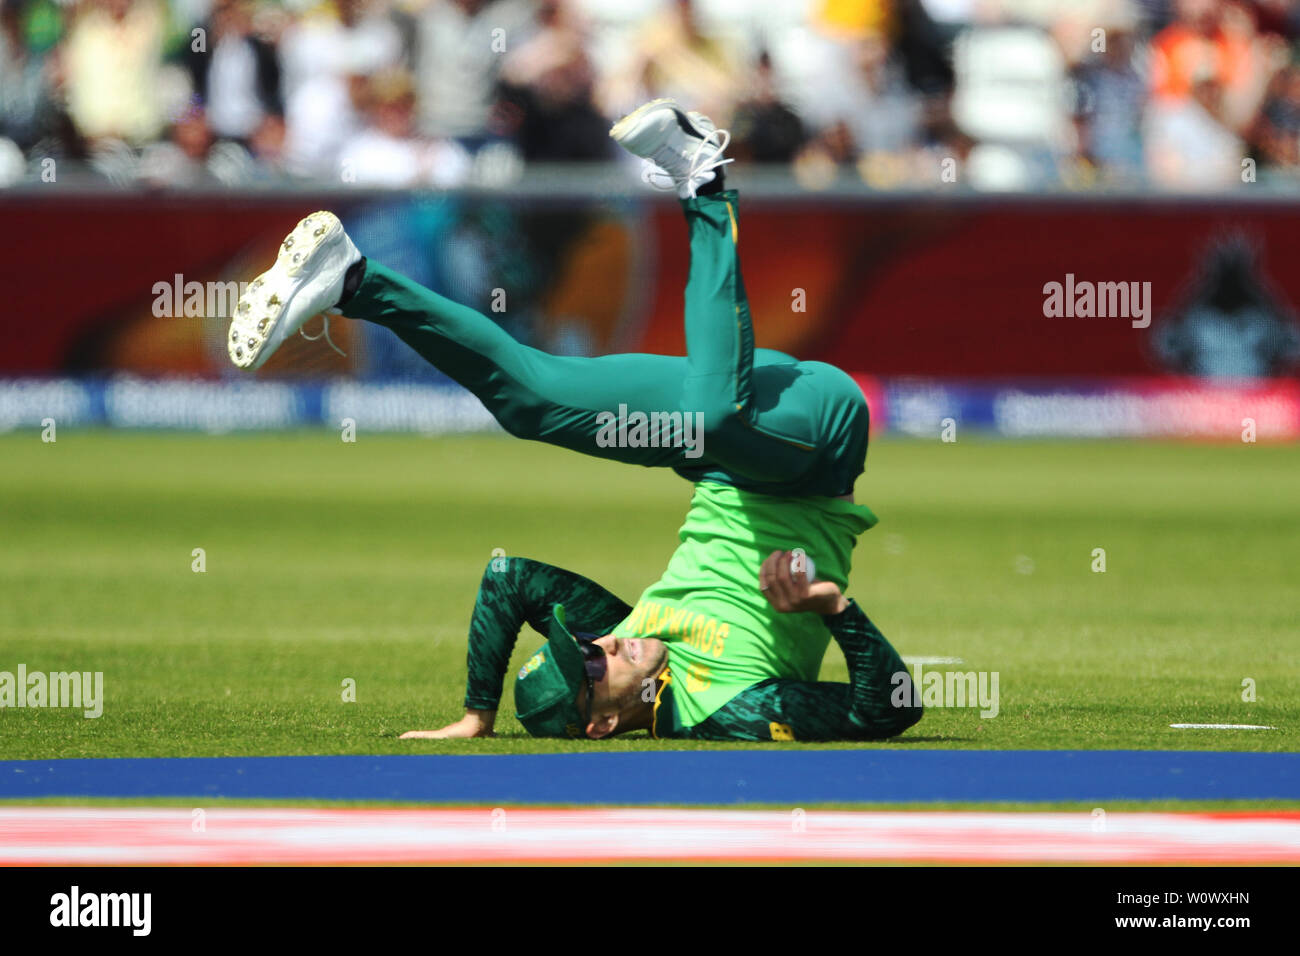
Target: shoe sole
263,319
620,130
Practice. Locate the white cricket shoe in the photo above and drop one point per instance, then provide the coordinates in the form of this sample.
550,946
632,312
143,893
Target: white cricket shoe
306,280
681,149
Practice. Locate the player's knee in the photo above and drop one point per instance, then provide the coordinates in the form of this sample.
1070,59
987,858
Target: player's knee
520,417
516,402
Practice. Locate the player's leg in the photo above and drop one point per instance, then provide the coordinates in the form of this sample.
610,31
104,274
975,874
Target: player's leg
770,423
775,424
561,400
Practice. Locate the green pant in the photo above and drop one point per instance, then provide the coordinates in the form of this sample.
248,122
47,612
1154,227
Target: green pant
768,423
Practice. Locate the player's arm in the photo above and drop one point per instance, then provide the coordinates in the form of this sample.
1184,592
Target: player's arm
515,591
866,708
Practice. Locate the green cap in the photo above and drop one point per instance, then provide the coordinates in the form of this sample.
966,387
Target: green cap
546,691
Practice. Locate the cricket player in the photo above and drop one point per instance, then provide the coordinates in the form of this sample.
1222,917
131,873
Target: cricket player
728,643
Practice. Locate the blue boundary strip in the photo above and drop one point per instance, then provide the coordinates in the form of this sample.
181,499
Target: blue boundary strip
679,777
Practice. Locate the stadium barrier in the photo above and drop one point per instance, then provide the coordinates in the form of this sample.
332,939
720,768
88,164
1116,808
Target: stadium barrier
939,287
1018,316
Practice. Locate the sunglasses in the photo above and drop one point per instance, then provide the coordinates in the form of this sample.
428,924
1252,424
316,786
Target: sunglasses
593,662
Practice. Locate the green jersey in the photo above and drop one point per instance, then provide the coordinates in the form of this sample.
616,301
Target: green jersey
517,590
722,634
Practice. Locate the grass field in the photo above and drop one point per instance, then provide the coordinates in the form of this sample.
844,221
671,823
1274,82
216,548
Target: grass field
327,561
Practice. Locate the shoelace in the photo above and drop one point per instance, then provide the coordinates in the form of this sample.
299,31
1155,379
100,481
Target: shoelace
654,175
324,333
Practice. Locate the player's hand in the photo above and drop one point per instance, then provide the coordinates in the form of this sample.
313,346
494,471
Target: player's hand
790,592
475,723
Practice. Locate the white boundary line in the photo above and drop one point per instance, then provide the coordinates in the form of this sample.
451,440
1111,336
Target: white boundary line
1221,727
332,836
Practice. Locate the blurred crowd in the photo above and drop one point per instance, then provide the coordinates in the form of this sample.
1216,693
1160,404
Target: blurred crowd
995,94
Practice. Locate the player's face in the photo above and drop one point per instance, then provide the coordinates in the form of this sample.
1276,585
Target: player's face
630,663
